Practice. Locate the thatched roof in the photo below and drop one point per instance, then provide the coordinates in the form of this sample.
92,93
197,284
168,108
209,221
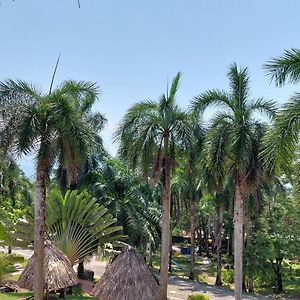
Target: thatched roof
57,267
127,278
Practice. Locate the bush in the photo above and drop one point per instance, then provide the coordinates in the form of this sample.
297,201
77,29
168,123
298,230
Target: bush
4,265
7,263
201,278
227,276
198,297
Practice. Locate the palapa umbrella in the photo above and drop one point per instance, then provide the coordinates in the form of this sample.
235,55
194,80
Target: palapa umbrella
57,269
127,278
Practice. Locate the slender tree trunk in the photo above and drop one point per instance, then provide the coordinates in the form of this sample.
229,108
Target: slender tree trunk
39,229
278,272
165,235
63,180
73,186
178,209
193,221
238,240
150,256
80,269
205,236
251,258
199,235
218,243
170,259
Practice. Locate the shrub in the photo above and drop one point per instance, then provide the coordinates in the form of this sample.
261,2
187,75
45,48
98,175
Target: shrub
227,276
4,265
201,278
7,263
198,297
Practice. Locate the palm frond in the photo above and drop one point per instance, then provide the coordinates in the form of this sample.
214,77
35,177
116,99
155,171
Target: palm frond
239,83
284,68
217,98
83,93
264,106
281,141
17,92
174,88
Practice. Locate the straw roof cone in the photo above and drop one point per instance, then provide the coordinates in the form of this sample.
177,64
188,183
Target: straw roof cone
57,267
127,278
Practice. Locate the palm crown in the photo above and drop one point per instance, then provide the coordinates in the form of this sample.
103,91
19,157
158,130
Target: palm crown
233,131
151,130
53,123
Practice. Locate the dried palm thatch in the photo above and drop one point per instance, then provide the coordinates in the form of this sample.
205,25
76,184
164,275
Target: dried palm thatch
57,267
127,278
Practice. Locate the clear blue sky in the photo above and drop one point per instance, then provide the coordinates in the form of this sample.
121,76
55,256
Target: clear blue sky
131,48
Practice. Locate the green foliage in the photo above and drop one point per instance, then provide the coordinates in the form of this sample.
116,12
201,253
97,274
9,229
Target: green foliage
284,68
198,297
227,276
4,266
232,141
7,263
201,278
129,201
152,130
75,223
4,234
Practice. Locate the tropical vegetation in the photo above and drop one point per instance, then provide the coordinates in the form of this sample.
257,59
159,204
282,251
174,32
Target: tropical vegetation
211,199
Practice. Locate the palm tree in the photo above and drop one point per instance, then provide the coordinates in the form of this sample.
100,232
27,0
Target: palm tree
125,196
47,124
192,191
230,141
148,135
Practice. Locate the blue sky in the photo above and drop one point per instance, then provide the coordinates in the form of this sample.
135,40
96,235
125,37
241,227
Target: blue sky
132,48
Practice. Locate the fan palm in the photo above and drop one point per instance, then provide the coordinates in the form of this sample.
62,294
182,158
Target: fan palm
149,133
230,142
75,223
48,124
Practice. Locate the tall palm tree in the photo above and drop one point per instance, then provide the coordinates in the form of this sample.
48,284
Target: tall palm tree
230,141
192,191
47,124
150,132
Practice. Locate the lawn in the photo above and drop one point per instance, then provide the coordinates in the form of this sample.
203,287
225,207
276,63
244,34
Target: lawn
15,296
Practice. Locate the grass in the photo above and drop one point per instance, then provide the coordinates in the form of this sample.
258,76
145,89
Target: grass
16,296
11,296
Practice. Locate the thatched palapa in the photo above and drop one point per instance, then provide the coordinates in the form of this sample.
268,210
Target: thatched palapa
127,278
57,267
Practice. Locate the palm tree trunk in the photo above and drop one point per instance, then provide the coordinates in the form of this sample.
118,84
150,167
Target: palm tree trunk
165,234
150,256
238,240
205,237
250,261
218,243
193,221
39,228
